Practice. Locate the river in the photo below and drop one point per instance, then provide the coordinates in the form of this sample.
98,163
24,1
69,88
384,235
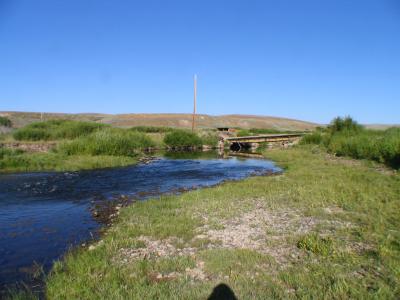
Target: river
44,214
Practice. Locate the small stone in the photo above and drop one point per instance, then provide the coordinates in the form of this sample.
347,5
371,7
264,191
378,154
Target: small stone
91,247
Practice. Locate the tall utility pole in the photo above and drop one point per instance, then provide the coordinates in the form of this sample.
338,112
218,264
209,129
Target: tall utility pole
194,100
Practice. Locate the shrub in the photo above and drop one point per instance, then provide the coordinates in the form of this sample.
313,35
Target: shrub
4,121
110,141
344,124
182,139
56,129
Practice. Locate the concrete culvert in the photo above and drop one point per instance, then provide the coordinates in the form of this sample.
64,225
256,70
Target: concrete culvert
235,146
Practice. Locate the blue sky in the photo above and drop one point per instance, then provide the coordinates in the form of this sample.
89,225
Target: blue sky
309,59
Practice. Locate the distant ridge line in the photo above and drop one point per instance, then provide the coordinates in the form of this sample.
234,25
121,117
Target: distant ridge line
179,120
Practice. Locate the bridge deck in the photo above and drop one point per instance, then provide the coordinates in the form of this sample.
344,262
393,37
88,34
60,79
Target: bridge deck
264,138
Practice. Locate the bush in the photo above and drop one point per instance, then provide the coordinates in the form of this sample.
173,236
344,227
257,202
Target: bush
56,129
110,141
4,121
344,124
182,139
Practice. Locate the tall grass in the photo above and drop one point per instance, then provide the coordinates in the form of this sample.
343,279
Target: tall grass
110,141
182,139
210,139
313,138
56,129
5,152
344,137
52,161
83,145
383,147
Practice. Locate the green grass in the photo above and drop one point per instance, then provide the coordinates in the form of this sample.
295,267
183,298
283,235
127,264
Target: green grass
182,139
316,244
354,141
380,146
17,161
209,138
152,129
352,251
110,141
260,131
56,130
80,145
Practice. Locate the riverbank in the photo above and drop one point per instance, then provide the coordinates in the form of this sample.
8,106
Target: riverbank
62,145
52,212
34,162
326,228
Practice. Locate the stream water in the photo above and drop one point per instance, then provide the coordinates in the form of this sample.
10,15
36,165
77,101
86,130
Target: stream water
44,214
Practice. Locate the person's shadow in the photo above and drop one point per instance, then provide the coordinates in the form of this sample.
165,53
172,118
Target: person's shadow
222,292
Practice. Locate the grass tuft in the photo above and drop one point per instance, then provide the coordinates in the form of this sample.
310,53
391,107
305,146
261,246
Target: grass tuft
316,244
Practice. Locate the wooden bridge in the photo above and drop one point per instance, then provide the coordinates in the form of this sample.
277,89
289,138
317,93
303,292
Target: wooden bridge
247,142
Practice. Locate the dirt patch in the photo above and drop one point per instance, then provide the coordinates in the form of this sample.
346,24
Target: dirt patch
262,230
156,249
270,232
195,273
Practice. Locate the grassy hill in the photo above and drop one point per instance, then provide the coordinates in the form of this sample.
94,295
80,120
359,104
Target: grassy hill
20,119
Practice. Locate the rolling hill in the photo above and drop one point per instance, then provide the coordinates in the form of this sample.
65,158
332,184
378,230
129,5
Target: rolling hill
20,119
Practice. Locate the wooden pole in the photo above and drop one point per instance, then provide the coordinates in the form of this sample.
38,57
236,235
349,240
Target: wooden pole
194,100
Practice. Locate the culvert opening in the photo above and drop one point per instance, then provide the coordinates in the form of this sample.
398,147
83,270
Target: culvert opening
240,146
